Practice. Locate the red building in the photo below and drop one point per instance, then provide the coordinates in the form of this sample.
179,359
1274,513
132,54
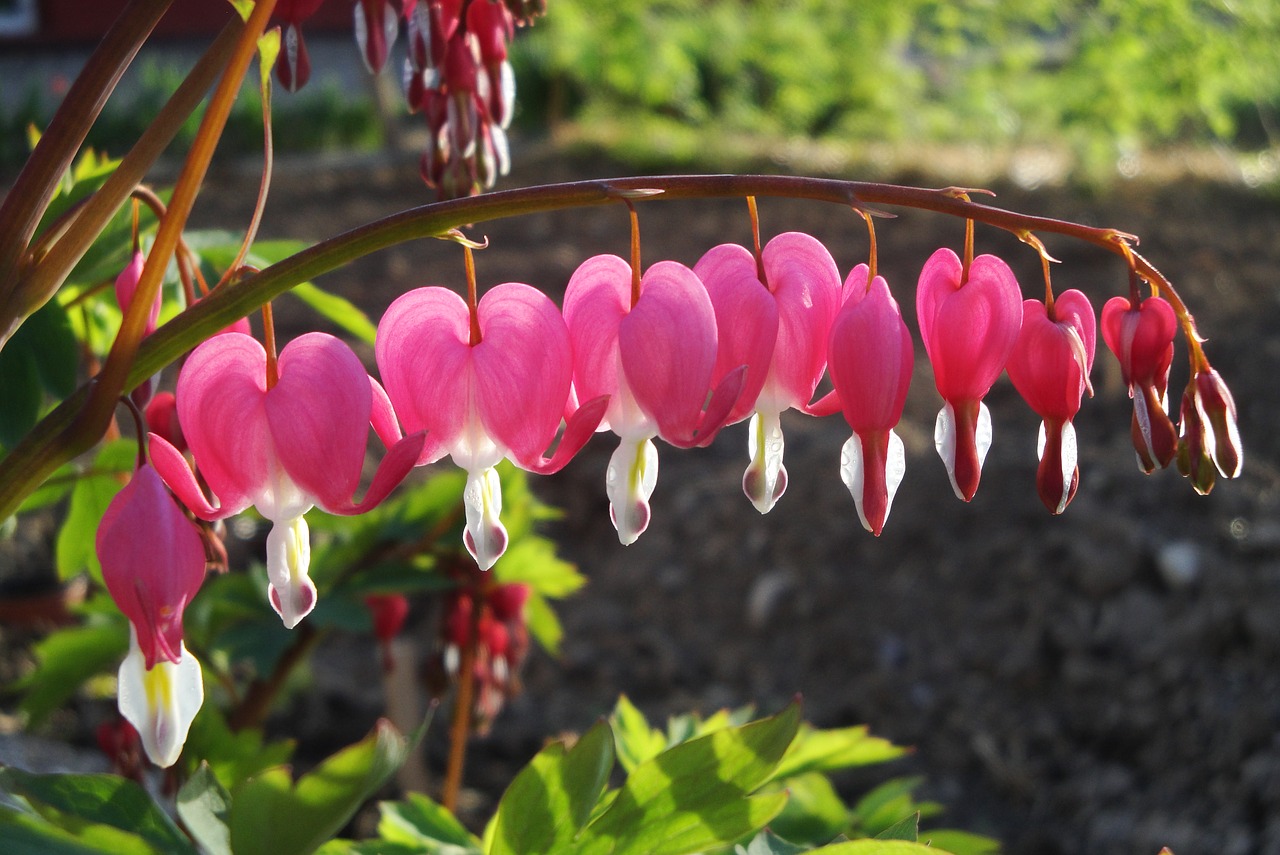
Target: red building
66,22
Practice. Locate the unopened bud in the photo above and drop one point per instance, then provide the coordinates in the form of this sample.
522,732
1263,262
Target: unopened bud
1218,411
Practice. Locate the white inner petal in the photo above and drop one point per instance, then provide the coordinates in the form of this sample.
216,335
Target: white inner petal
485,536
160,703
629,482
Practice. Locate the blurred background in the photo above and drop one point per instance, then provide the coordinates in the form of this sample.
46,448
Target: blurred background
1103,682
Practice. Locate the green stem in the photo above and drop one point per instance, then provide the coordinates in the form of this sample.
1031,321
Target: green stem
54,442
34,188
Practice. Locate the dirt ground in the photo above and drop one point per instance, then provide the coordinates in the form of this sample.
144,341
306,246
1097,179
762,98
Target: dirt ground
1103,682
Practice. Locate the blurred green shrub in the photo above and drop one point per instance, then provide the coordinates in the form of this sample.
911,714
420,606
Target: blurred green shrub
1110,74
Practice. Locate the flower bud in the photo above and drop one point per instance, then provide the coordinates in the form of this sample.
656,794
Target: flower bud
1217,411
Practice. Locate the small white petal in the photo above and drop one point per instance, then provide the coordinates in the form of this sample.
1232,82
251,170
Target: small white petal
984,433
765,480
508,83
944,440
290,589
484,536
851,473
895,468
160,703
629,482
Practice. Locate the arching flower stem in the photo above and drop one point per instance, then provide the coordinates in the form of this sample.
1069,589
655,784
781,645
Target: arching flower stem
635,251
79,422
754,212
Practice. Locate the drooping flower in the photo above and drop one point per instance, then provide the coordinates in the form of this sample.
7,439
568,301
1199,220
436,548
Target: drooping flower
1050,368
1209,437
153,564
375,28
282,449
1141,337
870,359
502,395
293,69
127,286
654,360
777,329
969,327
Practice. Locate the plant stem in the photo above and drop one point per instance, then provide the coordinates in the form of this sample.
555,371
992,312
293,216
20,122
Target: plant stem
460,730
255,706
50,443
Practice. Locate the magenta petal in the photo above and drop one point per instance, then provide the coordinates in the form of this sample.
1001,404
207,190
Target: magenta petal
870,356
383,416
718,410
319,413
152,563
581,425
523,367
293,68
596,300
969,330
668,348
423,355
746,320
222,408
1050,362
173,468
375,30
806,285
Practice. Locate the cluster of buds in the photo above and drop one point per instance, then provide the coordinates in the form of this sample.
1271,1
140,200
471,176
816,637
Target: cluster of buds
456,74
485,624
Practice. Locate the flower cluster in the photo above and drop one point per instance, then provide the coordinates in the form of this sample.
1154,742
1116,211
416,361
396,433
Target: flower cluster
670,352
456,74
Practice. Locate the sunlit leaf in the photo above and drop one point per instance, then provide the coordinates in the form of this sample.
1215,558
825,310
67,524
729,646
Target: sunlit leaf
66,659
203,806
831,750
419,822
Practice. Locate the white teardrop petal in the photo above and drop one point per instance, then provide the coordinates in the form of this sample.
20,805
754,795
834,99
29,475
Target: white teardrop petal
485,536
160,703
629,482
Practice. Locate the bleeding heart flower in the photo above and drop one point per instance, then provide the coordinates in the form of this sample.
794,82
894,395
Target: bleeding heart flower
282,449
1142,340
969,327
152,564
500,396
127,286
1050,368
654,360
777,329
376,28
293,69
870,359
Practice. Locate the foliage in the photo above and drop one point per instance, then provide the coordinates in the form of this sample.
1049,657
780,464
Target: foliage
708,784
1105,76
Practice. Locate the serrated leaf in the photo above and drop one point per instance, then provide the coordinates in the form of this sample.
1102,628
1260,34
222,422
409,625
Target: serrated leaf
66,659
550,800
832,750
72,801
635,741
695,795
272,814
203,806
418,821
907,828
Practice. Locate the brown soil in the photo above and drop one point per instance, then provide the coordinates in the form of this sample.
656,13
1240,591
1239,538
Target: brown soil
1103,682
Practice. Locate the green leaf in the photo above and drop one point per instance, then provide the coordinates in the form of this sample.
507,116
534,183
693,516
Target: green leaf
57,349
695,796
880,847
53,490
885,805
418,821
20,391
635,741
832,750
25,834
814,814
336,309
961,842
66,659
203,806
271,814
232,756
534,562
550,800
768,843
75,551
106,800
907,828
542,622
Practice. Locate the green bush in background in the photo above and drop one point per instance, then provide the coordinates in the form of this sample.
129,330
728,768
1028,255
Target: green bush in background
1101,77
